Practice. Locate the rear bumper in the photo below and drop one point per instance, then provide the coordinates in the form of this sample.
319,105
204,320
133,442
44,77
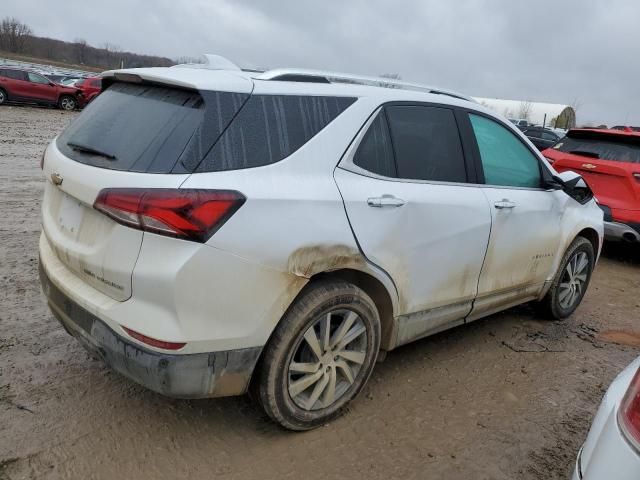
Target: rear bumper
617,231
197,375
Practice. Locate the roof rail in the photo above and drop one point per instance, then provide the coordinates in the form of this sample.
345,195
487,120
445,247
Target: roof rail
319,76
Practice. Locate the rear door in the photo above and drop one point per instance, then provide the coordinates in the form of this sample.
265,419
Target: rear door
132,136
609,162
17,84
526,218
415,213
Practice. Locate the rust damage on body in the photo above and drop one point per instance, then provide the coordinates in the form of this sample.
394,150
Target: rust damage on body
308,261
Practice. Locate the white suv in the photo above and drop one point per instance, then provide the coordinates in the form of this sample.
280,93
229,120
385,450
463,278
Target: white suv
211,231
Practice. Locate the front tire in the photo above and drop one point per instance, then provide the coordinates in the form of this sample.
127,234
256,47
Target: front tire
571,281
68,103
320,355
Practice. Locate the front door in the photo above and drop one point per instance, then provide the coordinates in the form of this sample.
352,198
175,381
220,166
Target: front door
415,215
525,219
40,88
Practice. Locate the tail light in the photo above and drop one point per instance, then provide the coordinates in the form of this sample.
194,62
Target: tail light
153,342
187,214
629,412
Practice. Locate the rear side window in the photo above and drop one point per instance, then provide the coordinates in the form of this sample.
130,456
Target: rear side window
426,143
14,74
505,158
622,150
375,152
153,129
269,128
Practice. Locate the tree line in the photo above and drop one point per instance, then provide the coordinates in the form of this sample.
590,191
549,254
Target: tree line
18,38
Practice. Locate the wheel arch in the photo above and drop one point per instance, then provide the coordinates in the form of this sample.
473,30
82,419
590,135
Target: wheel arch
378,292
593,237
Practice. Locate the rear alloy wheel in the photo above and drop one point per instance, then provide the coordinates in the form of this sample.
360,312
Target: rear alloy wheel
571,282
320,355
3,96
67,102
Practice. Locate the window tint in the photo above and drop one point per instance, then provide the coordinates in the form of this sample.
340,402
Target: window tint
149,128
269,128
606,147
35,78
533,133
375,152
15,74
426,143
505,159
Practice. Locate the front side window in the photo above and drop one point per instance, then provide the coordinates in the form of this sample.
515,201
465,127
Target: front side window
375,152
506,160
426,143
35,78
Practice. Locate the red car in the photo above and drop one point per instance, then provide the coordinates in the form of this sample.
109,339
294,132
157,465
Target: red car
609,160
91,87
18,85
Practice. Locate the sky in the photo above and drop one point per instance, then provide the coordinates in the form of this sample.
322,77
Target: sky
577,52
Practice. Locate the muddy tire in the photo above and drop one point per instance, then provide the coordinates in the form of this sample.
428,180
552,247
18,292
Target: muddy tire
67,102
319,357
571,281
3,96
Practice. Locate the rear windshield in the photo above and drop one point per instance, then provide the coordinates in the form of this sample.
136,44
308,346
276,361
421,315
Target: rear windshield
143,128
605,148
156,129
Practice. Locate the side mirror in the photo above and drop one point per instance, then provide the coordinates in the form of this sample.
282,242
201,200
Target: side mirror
575,186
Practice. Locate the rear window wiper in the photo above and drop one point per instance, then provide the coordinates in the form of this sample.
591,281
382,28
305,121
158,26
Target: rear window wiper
93,151
585,153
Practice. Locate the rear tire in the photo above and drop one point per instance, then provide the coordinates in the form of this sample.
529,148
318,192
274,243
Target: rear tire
3,96
67,102
570,282
320,355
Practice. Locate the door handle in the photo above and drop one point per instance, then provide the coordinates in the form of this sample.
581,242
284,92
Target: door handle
385,201
504,203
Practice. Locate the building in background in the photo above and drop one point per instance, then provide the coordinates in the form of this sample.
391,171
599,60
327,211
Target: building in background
557,115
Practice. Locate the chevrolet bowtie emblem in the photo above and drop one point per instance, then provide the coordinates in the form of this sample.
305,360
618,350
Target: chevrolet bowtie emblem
56,179
590,166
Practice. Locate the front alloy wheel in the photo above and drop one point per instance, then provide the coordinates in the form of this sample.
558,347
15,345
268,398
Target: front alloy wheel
573,280
570,282
68,103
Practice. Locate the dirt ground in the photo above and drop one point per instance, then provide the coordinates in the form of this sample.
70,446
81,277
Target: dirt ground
506,397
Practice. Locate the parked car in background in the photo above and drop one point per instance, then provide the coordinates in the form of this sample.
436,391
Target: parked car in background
541,137
19,85
178,242
625,128
612,448
609,160
90,87
67,80
520,123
